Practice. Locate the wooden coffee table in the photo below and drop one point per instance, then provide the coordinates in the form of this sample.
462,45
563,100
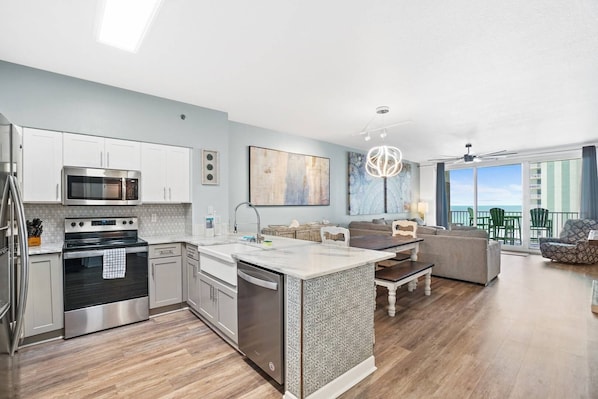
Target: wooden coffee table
404,273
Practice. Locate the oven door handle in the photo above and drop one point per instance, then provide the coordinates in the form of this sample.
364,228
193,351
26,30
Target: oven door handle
99,252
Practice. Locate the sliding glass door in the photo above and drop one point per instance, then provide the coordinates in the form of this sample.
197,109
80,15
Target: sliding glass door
461,196
536,198
500,187
554,197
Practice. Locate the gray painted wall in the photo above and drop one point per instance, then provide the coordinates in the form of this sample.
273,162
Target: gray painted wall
242,136
45,100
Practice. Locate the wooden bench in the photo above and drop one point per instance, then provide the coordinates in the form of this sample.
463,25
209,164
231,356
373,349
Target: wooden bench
404,273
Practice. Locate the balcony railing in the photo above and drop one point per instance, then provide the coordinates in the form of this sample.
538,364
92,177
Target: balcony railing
558,221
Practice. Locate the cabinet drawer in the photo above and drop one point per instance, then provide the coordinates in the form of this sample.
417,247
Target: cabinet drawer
192,252
164,250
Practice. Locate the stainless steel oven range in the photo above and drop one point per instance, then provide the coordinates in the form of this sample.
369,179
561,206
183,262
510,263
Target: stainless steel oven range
105,274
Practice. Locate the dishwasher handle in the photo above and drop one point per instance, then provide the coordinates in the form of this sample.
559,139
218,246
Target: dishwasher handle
257,281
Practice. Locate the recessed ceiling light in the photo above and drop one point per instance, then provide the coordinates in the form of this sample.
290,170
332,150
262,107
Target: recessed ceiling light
123,23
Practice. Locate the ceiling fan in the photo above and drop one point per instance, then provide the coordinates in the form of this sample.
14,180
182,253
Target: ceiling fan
469,157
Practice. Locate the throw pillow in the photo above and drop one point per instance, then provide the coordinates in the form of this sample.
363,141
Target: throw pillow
378,221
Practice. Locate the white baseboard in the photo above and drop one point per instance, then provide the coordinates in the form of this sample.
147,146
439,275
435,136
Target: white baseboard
344,382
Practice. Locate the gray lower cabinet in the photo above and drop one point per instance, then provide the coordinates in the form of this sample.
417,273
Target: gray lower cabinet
218,304
165,275
192,269
44,310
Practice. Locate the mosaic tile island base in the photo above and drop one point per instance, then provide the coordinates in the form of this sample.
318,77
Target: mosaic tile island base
329,315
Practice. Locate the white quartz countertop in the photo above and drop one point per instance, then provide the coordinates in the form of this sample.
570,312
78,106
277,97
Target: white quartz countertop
154,240
46,248
312,260
190,239
228,250
298,258
217,240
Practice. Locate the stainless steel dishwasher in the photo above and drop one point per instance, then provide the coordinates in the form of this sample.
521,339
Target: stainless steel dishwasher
260,305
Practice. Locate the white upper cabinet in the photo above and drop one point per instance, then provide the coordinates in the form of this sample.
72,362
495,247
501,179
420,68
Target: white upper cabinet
99,152
123,154
164,173
177,161
42,165
82,150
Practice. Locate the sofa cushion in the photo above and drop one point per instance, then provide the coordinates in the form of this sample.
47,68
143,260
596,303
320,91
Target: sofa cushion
478,233
459,227
369,226
378,221
430,230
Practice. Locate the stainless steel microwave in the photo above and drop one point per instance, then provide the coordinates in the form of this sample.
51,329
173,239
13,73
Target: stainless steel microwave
89,186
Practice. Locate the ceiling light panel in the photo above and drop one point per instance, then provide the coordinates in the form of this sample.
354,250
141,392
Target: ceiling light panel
124,23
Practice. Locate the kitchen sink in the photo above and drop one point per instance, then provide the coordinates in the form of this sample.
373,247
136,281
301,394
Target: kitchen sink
226,251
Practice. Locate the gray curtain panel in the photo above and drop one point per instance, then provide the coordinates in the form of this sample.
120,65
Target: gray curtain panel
441,198
589,183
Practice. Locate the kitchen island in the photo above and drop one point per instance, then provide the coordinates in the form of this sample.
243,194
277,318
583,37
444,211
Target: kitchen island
329,315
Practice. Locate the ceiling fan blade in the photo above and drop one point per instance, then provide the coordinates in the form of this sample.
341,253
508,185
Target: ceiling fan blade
445,159
501,153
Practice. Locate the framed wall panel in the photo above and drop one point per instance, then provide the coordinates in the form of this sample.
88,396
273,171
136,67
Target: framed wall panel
210,171
280,178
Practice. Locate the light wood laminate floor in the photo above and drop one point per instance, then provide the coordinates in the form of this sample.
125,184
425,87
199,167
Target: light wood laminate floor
530,334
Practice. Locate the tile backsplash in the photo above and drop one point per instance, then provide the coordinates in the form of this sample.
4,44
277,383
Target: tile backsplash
171,219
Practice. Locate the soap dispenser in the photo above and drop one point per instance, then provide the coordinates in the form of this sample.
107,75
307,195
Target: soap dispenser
209,224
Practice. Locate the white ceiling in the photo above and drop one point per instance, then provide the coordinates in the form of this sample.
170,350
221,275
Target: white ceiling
511,74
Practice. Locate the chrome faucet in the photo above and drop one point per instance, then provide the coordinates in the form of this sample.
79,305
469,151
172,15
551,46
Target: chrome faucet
258,236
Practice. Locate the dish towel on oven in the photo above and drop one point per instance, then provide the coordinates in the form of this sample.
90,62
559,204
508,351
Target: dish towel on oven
115,261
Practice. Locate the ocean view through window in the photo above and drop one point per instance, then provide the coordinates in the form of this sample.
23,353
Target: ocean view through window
553,185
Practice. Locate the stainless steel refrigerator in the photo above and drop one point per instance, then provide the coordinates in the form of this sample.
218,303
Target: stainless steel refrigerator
14,251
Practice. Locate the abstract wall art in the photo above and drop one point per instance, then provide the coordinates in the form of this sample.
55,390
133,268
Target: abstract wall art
373,195
280,178
366,193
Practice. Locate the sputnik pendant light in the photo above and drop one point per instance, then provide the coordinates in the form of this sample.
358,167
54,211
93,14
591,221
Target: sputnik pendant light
383,160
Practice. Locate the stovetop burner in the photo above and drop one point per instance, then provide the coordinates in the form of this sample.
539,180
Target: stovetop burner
101,233
82,244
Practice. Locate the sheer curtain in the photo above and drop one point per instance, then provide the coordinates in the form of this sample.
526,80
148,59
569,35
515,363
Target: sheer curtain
589,183
441,199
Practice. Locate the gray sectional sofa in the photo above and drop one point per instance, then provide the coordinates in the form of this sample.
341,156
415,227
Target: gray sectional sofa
461,253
